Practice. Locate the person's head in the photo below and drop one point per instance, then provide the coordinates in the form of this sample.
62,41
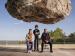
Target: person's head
36,26
30,31
45,30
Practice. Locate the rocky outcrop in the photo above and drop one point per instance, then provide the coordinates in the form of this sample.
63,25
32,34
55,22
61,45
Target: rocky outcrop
43,11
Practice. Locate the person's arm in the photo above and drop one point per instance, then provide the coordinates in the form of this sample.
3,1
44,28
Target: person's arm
43,39
34,32
26,38
38,32
49,36
33,38
42,36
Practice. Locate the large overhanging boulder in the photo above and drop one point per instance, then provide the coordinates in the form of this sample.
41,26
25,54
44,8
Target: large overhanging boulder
43,11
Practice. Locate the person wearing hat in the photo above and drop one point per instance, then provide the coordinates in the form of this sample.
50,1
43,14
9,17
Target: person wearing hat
36,33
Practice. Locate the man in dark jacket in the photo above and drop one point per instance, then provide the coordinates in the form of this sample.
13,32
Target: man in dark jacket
46,40
36,34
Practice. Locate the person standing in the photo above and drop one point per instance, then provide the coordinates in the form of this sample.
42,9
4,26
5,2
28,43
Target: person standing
29,41
46,40
36,33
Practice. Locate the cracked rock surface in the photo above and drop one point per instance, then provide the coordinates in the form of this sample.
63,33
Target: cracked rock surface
43,11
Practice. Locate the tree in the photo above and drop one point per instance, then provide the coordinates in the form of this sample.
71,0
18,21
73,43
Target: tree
71,37
58,34
51,33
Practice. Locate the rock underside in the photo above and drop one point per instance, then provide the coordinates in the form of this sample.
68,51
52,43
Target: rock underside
43,11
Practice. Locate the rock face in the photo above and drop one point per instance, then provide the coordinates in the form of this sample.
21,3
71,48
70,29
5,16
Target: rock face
43,11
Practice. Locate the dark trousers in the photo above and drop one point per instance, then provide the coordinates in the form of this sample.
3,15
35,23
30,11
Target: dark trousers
50,44
36,43
29,46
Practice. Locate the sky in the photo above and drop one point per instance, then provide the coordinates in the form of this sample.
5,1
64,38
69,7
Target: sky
13,29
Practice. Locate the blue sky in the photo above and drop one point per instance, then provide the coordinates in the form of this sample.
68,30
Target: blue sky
13,29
